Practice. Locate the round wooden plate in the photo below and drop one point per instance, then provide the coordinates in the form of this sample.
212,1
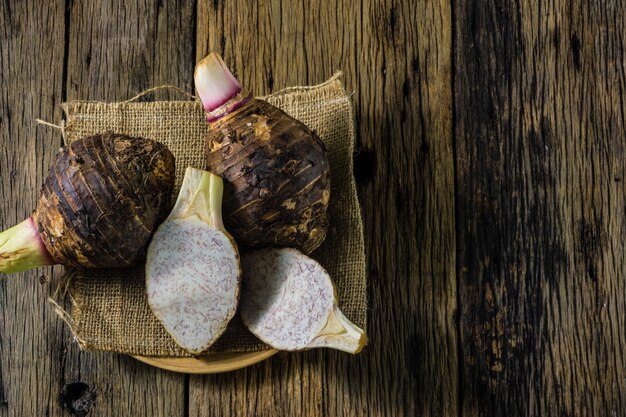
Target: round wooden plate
211,364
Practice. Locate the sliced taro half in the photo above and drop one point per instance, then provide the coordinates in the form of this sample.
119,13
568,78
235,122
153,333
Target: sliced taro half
192,266
288,301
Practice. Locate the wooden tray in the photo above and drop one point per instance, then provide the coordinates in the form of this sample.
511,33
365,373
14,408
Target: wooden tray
211,364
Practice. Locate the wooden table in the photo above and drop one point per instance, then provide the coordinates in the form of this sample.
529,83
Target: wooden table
491,171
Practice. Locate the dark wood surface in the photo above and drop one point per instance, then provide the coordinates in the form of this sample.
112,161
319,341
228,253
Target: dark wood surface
540,135
491,175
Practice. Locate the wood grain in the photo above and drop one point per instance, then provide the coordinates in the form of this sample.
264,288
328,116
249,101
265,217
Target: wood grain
400,69
32,338
539,104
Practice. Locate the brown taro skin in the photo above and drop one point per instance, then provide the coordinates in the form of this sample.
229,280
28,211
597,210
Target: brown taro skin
104,197
277,177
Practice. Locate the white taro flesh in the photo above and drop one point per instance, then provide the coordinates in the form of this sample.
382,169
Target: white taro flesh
288,301
192,266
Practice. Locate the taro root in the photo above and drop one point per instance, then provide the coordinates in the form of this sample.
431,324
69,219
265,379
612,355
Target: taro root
192,266
277,168
102,200
288,301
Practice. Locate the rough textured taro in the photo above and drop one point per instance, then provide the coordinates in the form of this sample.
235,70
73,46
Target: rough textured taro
288,301
102,200
277,169
192,267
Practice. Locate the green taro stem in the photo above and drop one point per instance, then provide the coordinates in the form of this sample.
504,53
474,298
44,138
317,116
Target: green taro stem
200,195
340,333
216,190
21,248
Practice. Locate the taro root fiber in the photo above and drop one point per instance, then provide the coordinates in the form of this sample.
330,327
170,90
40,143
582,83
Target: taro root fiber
192,267
276,168
103,198
288,301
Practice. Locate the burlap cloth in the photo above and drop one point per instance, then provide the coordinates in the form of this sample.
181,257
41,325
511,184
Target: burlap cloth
108,310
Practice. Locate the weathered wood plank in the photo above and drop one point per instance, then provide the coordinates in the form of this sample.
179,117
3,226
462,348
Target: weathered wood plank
31,84
541,219
115,50
400,69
